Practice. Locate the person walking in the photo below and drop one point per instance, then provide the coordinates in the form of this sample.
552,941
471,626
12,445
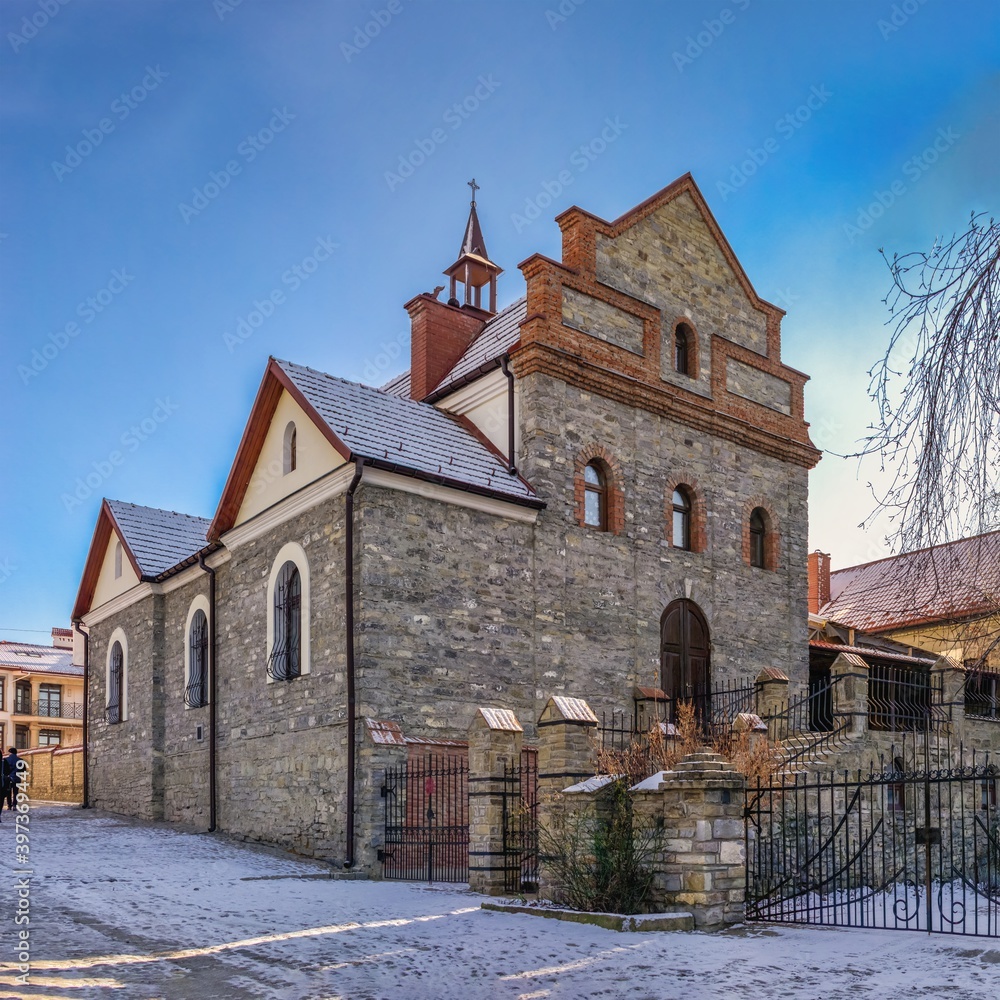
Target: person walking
11,778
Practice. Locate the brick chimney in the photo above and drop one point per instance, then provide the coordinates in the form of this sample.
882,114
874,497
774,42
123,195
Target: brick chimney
439,336
819,580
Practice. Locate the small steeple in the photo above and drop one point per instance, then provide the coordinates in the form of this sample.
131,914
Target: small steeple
473,269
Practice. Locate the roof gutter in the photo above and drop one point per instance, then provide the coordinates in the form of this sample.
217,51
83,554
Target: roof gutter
86,711
505,366
212,709
359,465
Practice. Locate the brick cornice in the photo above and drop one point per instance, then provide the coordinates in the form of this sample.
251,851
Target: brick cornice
668,401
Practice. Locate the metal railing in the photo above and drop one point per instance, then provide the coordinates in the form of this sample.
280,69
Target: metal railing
807,726
982,693
48,709
906,699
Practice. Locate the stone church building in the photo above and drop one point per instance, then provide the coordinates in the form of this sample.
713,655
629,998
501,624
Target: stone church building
600,487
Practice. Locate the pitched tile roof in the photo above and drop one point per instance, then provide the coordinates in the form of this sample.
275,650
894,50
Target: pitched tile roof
499,335
957,580
29,657
870,652
407,435
159,539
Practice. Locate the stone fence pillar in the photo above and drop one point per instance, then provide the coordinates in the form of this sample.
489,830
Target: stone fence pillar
772,698
849,672
383,747
567,754
702,863
494,746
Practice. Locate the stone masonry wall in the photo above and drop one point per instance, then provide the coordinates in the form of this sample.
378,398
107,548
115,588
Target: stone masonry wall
126,762
282,746
185,756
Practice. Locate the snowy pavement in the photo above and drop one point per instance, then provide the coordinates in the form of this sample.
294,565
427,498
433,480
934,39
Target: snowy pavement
140,910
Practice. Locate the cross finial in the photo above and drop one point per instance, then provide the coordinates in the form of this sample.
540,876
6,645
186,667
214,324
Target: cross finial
475,187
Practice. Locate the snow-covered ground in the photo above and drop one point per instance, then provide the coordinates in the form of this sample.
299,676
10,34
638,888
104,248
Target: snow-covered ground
140,910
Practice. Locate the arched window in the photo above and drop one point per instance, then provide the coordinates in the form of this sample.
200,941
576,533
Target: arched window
285,659
196,686
115,711
681,522
118,560
595,497
683,349
288,455
758,536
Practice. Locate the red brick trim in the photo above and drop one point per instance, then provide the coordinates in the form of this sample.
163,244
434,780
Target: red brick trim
699,539
772,532
615,494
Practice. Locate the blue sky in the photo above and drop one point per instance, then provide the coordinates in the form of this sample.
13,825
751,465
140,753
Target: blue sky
167,165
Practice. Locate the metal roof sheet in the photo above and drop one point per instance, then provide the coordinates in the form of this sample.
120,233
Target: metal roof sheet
159,539
957,580
574,709
501,719
406,434
32,658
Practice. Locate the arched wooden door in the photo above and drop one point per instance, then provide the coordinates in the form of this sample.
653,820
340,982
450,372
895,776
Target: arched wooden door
685,656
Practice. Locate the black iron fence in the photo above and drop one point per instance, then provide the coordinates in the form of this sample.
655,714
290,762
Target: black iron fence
427,819
520,823
904,846
54,709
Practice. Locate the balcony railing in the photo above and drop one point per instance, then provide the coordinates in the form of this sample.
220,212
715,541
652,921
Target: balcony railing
48,709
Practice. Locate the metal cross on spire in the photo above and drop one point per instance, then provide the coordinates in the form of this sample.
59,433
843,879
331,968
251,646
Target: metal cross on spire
475,187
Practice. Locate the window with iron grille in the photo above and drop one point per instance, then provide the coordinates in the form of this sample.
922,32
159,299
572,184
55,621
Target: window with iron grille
116,684
284,660
49,737
196,690
50,700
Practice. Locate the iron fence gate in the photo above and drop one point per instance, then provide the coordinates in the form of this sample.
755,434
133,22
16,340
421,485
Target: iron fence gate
896,848
520,823
427,820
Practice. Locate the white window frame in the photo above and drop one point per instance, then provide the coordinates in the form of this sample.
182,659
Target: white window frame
200,603
294,553
117,636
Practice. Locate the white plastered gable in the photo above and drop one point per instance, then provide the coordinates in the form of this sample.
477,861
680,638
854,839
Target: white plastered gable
108,585
314,457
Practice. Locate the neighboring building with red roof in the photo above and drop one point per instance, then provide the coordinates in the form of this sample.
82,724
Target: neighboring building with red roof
600,487
944,599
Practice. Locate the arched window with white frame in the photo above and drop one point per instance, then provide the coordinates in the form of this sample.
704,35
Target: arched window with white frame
289,449
116,678
288,621
196,654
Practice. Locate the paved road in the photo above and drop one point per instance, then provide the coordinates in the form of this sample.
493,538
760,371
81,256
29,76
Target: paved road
121,908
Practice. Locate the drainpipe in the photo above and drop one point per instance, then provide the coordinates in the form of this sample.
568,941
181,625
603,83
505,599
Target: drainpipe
86,704
359,464
505,365
211,691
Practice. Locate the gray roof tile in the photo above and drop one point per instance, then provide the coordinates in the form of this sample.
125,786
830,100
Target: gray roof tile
33,658
498,336
159,539
411,435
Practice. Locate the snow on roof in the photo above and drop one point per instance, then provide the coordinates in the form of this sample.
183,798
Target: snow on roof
32,658
159,539
499,335
957,580
406,434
